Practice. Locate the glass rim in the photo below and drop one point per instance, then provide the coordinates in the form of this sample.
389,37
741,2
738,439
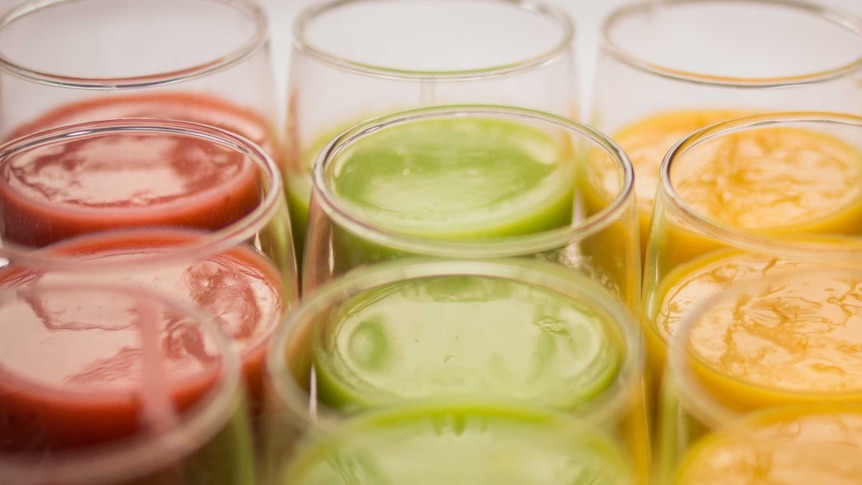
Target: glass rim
247,49
609,404
550,12
696,398
839,18
815,247
207,244
509,246
132,457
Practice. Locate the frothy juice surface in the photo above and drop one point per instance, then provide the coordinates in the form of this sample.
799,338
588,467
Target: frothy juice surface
98,182
465,335
238,287
456,179
468,443
809,445
781,342
771,180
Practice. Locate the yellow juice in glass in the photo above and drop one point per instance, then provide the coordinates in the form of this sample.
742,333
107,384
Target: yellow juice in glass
793,338
770,180
796,338
648,140
816,444
781,182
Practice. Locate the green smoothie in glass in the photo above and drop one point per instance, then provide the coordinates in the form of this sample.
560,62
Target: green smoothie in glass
465,335
459,443
448,178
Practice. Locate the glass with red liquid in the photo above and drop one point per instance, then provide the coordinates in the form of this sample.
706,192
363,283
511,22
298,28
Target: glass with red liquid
191,211
105,384
70,61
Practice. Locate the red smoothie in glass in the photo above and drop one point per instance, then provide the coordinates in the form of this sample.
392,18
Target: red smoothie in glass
54,399
98,182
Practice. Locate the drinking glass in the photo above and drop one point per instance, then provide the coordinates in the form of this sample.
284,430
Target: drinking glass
69,61
386,354
186,209
783,349
667,68
416,53
467,182
105,384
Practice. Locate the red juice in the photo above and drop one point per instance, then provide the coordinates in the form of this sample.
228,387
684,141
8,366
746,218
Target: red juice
237,286
96,182
186,106
71,373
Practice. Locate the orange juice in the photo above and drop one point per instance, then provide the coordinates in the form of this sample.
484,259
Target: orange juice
816,444
647,141
787,183
767,180
693,282
780,341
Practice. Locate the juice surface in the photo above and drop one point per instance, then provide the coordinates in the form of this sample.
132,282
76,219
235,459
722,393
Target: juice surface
792,340
775,179
693,282
186,106
809,445
69,376
648,140
56,191
95,389
466,335
467,443
769,180
457,179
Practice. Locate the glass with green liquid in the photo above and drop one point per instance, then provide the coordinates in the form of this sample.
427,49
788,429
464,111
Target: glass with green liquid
355,59
425,371
467,182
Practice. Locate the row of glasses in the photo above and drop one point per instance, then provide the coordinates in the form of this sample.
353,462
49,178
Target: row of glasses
740,180
454,183
182,210
141,151
747,210
170,206
667,69
470,268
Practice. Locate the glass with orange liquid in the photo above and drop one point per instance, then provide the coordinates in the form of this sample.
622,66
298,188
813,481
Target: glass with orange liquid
666,69
781,355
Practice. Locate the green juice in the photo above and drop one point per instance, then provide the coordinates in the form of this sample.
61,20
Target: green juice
452,179
459,443
461,335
